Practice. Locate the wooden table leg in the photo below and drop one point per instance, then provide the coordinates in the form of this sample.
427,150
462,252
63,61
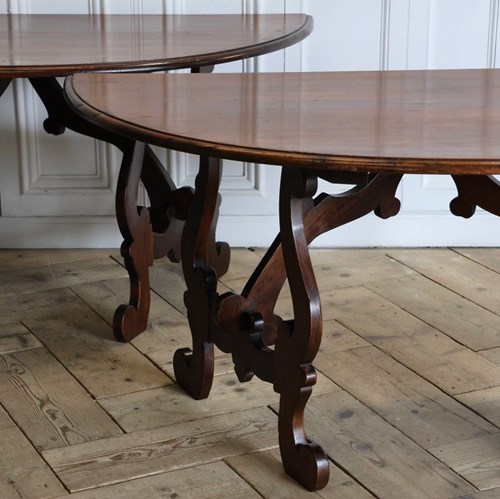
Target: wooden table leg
167,213
137,247
203,261
168,208
298,340
246,324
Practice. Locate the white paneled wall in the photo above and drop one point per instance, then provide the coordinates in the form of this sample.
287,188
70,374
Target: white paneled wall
61,188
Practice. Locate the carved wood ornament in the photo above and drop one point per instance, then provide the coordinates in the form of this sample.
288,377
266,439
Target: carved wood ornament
365,130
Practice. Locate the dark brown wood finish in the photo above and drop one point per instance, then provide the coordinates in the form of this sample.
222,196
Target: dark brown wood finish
194,369
367,129
43,47
401,121
60,45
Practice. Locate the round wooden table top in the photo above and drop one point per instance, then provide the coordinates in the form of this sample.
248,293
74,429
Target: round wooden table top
59,45
395,121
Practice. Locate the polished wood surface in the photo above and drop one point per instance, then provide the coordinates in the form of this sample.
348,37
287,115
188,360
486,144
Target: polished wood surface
376,126
43,47
58,45
401,122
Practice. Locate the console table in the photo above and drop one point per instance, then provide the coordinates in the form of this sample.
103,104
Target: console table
361,128
43,47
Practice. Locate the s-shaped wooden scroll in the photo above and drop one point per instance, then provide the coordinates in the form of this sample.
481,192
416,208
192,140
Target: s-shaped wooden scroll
245,325
148,233
298,340
154,231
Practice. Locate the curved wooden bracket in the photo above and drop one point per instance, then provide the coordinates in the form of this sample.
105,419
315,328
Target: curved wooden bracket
242,336
137,248
299,340
475,190
167,213
327,212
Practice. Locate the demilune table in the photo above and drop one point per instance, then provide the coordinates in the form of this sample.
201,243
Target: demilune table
361,128
44,47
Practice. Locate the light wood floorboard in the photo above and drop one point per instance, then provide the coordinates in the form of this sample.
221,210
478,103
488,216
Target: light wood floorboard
407,402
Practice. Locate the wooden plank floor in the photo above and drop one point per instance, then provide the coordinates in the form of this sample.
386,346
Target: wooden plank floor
407,403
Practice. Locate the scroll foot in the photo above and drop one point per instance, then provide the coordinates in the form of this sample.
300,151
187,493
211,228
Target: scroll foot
194,369
462,208
137,248
298,340
201,262
131,319
303,459
306,463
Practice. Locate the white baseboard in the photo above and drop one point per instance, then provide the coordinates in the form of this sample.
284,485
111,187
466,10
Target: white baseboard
59,232
405,230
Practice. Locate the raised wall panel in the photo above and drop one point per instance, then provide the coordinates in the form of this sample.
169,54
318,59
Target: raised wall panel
46,161
346,35
247,189
419,26
68,175
72,175
48,7
495,36
459,34
407,42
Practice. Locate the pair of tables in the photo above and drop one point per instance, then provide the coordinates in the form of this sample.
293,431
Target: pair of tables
366,129
44,47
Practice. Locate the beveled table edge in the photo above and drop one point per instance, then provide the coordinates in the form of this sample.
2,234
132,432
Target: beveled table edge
410,165
192,61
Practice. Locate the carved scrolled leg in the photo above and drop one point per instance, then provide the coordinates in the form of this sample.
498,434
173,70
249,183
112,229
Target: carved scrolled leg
167,212
475,190
194,368
137,248
326,213
201,261
298,341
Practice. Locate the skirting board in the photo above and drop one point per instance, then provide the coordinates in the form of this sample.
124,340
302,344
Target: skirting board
405,230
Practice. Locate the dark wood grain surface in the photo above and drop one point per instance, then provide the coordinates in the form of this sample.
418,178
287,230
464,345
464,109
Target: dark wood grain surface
314,124
58,45
400,121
